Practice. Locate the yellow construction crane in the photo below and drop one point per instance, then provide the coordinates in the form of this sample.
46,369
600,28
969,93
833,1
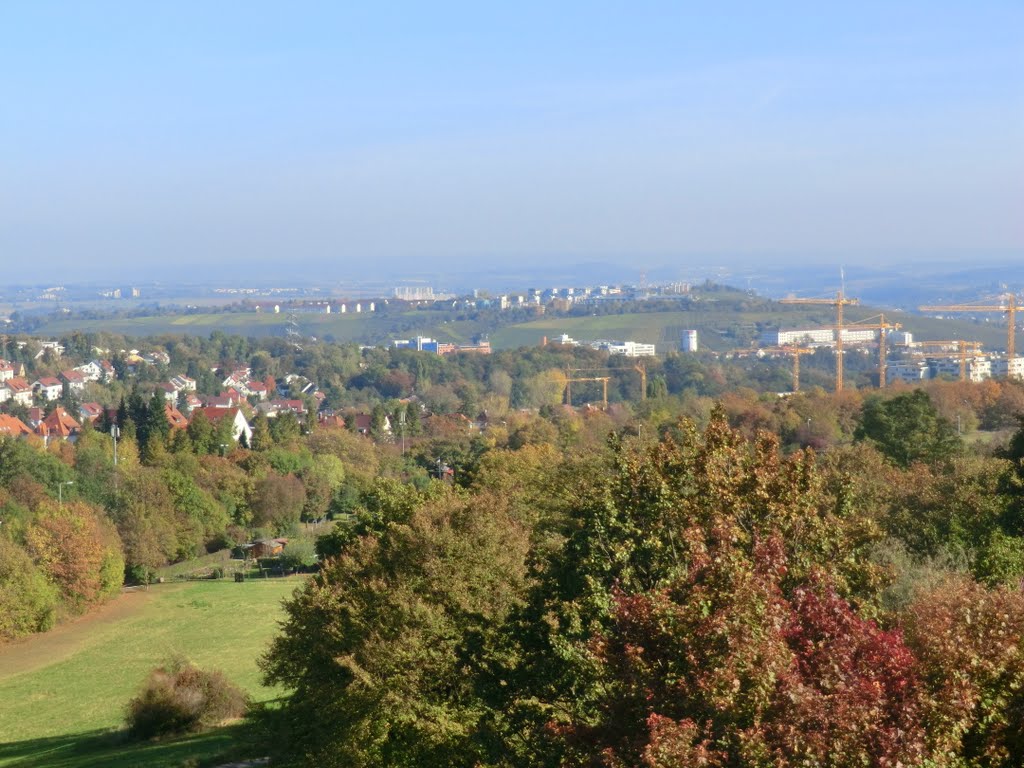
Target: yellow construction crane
838,302
604,387
963,348
1009,306
795,352
638,367
642,370
874,323
881,326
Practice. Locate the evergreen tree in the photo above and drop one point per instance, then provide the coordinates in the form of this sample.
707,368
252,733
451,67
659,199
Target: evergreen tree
201,433
412,419
261,437
158,426
378,421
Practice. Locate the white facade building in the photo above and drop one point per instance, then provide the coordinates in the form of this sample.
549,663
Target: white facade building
689,343
1011,368
908,370
816,336
627,348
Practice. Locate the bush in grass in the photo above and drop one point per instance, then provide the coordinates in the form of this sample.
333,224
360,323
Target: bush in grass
178,697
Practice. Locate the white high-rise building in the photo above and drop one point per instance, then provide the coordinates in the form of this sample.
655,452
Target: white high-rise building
689,343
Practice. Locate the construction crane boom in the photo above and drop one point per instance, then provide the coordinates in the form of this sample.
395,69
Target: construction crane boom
638,367
1009,307
838,302
881,326
604,387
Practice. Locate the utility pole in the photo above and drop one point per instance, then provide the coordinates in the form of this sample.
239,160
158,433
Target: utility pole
60,492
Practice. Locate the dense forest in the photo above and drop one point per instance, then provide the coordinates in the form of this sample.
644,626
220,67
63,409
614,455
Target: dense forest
713,575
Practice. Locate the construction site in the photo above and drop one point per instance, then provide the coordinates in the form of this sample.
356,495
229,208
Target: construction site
900,357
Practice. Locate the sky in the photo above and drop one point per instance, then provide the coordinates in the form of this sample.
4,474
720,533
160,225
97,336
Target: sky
359,138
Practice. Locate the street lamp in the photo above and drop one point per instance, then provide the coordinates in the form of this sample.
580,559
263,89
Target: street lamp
60,491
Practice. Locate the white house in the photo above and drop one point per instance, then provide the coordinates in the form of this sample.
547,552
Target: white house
48,388
182,382
18,390
92,371
75,380
239,426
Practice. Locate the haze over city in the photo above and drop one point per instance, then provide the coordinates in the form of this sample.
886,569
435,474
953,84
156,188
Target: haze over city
150,139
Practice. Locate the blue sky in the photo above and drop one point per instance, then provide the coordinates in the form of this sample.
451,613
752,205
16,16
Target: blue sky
375,136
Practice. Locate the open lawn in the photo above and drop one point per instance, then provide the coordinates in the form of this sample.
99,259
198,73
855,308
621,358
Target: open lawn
62,693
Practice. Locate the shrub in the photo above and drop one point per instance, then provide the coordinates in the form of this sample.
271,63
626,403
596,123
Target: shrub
178,697
299,555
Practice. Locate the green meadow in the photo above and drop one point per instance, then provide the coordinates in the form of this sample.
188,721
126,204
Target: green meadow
62,694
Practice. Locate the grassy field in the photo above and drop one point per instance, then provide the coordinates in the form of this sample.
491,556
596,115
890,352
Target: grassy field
63,693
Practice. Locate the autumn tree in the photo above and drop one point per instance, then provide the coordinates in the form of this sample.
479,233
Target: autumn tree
968,640
80,551
667,606
277,503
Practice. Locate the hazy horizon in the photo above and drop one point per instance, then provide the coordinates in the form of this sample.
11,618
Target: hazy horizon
189,138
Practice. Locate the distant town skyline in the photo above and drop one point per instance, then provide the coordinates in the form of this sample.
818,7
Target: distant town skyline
153,140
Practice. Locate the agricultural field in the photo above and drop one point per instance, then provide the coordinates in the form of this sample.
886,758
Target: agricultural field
720,329
62,694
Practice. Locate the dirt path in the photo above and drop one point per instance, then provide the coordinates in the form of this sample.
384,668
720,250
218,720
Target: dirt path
29,653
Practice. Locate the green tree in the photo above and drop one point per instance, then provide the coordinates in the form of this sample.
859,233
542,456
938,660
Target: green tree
907,428
28,602
285,427
378,649
261,437
378,421
201,433
322,479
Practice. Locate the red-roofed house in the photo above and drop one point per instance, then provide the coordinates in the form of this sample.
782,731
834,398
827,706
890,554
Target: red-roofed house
175,418
18,390
236,377
331,420
6,370
90,412
75,380
239,425
279,405
35,417
220,401
11,426
49,388
59,424
257,388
